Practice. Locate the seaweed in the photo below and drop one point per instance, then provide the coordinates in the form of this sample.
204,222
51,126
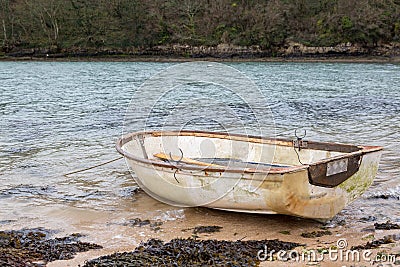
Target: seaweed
368,219
28,190
375,243
386,226
206,229
155,226
314,234
285,232
138,222
192,252
34,247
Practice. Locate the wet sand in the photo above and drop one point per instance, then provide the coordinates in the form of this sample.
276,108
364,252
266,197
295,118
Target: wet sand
115,234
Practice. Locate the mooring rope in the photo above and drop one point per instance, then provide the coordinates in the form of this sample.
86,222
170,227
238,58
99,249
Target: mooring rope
299,144
98,165
297,153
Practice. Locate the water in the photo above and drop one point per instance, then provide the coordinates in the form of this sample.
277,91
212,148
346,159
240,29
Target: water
57,117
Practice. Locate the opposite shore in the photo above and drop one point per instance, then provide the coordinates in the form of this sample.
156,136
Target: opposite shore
290,52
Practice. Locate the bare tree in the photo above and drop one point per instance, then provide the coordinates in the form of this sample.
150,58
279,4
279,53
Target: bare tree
47,12
6,16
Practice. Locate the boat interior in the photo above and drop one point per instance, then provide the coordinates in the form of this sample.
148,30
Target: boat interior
222,150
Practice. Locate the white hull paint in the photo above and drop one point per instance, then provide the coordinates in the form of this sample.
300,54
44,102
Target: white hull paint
274,191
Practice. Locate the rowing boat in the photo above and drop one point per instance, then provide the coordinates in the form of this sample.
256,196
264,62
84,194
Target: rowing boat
249,173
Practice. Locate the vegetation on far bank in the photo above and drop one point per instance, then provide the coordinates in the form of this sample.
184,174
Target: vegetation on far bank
136,25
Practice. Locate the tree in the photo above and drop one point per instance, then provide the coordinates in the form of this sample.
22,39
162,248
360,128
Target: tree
47,13
7,18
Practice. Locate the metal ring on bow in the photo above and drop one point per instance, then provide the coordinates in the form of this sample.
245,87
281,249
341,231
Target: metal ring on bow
298,137
176,161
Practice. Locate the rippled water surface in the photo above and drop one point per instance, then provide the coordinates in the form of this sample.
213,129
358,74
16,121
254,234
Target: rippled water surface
57,117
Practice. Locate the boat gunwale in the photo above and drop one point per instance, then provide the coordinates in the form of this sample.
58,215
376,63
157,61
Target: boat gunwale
361,150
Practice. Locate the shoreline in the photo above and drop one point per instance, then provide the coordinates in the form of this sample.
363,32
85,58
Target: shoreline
288,52
178,59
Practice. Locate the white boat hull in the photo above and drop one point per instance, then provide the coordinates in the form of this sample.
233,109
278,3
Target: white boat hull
274,192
